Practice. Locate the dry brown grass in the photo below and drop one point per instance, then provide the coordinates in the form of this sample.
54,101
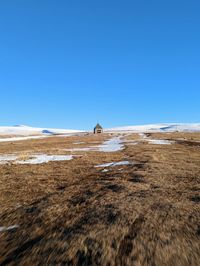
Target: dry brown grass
24,156
71,213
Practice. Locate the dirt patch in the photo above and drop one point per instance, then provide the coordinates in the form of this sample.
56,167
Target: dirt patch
136,178
195,199
188,143
126,244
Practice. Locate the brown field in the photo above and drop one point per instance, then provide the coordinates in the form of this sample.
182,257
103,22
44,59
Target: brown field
72,213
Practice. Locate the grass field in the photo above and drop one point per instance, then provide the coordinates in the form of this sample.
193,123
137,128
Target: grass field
71,212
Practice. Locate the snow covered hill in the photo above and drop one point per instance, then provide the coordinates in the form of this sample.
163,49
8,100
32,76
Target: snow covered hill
33,131
158,128
27,132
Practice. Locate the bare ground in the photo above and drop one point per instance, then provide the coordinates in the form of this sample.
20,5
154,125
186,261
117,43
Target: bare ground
72,213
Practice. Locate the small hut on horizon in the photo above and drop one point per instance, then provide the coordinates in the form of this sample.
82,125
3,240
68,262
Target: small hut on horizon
98,129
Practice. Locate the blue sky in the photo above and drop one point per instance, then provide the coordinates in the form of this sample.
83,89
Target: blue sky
70,63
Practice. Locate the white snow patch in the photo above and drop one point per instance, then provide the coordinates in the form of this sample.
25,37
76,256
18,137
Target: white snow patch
155,141
35,159
112,145
113,164
104,165
6,158
105,170
44,158
4,228
143,136
160,141
21,138
121,163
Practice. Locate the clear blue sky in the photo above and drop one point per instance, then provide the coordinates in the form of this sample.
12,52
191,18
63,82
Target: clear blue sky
70,63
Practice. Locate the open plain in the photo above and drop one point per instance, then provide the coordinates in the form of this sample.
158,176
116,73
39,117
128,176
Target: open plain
138,204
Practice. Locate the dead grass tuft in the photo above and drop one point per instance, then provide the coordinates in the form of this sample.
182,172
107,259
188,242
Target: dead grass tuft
24,156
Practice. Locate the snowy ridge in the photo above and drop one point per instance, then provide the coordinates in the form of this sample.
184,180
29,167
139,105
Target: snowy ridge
158,128
21,130
25,131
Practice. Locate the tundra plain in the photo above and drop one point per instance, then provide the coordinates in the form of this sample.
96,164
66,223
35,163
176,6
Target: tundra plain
139,205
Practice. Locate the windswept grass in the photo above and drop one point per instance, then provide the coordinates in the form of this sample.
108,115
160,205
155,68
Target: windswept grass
72,213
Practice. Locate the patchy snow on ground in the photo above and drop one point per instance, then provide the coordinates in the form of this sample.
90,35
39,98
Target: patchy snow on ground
105,171
21,138
160,141
44,158
104,165
112,145
7,158
113,164
35,159
4,228
155,141
143,136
